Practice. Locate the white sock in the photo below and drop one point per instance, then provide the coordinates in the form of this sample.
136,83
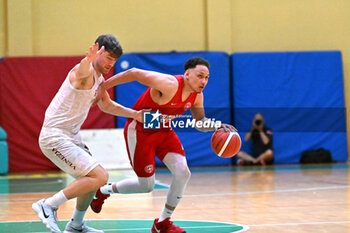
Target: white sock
107,188
78,216
166,213
56,200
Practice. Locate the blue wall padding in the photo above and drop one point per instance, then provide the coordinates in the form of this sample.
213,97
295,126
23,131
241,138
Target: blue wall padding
4,161
216,95
301,95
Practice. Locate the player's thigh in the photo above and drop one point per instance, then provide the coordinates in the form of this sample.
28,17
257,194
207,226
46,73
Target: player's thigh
141,150
243,154
70,157
170,143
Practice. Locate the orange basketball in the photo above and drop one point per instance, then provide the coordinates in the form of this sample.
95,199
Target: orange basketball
225,144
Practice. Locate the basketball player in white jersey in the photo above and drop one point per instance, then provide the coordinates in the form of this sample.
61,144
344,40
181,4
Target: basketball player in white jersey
60,140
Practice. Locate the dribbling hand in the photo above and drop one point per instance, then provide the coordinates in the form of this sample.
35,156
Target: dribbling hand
227,128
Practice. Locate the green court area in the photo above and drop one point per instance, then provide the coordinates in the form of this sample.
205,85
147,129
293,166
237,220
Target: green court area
52,182
127,226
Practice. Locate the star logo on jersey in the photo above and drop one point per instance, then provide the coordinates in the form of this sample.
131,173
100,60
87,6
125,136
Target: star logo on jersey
151,120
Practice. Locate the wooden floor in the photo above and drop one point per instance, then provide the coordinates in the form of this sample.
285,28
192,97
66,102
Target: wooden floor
272,199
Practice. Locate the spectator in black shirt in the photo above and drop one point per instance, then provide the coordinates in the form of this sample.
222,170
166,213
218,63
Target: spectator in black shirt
262,138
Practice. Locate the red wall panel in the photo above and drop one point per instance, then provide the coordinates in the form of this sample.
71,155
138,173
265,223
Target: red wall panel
27,86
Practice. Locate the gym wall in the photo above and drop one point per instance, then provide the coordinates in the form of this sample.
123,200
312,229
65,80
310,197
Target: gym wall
67,28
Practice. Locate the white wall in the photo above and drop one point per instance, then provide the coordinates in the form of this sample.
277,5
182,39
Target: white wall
107,146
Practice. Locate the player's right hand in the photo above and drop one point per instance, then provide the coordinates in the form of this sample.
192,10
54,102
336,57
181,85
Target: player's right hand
93,52
139,116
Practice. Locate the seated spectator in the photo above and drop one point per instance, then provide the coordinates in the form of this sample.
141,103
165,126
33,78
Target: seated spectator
261,137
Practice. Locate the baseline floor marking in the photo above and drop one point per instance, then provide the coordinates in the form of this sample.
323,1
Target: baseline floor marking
139,226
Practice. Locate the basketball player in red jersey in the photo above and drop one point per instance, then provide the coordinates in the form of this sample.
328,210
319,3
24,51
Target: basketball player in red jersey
170,96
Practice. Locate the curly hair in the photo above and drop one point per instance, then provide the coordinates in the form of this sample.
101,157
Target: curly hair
194,61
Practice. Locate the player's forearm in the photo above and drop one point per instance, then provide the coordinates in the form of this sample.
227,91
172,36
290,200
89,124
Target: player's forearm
248,136
120,78
264,138
116,109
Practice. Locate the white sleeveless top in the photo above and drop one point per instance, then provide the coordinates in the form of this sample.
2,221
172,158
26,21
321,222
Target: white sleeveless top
70,106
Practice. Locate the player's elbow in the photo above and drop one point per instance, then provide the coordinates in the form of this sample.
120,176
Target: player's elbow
104,106
133,73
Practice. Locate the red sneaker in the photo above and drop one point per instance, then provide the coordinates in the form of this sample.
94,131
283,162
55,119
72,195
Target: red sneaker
166,226
97,202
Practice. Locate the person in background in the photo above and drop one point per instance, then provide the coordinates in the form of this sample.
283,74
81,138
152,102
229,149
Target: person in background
262,138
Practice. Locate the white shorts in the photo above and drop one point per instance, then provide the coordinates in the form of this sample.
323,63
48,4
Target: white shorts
67,152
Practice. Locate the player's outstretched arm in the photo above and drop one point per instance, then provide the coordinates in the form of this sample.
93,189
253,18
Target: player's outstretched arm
109,106
85,69
162,82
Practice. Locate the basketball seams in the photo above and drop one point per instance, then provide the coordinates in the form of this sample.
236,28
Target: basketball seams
217,139
223,144
228,139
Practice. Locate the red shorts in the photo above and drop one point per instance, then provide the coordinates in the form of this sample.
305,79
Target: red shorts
142,146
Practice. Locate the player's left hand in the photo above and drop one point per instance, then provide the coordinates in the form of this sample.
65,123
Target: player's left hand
228,128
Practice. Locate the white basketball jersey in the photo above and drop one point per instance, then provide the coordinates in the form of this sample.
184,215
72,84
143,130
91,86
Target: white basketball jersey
70,106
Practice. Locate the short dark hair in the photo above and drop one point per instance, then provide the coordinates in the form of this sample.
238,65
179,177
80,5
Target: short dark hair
194,61
111,44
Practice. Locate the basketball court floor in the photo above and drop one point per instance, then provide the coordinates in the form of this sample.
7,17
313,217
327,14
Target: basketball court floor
279,198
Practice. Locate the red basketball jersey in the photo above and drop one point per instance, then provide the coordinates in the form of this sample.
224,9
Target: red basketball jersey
173,108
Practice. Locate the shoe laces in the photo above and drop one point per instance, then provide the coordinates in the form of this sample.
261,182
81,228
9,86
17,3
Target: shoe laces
168,223
103,197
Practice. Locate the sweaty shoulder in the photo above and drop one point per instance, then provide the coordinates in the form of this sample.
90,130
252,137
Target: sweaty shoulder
169,85
165,90
172,82
80,81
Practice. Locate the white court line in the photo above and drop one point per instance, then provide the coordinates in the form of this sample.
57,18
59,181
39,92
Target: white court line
245,227
296,224
120,197
196,227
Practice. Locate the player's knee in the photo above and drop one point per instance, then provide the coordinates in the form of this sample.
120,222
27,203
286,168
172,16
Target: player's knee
146,184
148,189
183,174
102,177
187,174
